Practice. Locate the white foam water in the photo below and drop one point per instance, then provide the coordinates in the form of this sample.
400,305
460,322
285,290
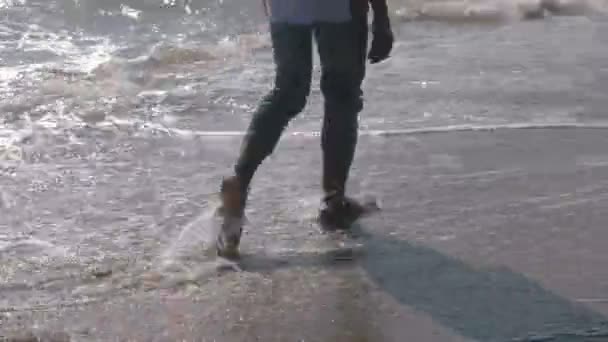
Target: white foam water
37,252
493,10
186,133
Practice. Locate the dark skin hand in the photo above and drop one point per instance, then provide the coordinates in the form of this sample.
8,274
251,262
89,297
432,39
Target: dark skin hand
382,34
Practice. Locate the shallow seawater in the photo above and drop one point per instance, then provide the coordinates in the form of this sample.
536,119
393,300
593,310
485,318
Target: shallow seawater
119,118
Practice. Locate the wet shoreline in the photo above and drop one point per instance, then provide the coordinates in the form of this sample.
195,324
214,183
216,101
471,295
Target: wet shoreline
470,206
485,143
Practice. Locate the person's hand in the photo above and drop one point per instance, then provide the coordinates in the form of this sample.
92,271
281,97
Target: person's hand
382,39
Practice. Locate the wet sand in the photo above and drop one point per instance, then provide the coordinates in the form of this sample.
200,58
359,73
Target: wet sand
484,236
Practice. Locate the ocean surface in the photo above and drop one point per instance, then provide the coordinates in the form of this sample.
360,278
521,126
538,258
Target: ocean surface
119,118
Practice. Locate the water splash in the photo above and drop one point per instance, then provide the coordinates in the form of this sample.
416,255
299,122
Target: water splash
11,3
195,241
494,10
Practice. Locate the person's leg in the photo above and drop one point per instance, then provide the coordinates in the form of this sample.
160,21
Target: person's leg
342,49
292,46
292,49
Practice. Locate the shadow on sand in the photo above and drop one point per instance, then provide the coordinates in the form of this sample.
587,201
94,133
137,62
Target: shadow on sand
483,304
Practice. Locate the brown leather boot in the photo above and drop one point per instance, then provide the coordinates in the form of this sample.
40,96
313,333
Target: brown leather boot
232,211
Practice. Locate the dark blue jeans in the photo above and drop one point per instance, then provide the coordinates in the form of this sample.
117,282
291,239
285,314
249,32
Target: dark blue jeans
342,50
